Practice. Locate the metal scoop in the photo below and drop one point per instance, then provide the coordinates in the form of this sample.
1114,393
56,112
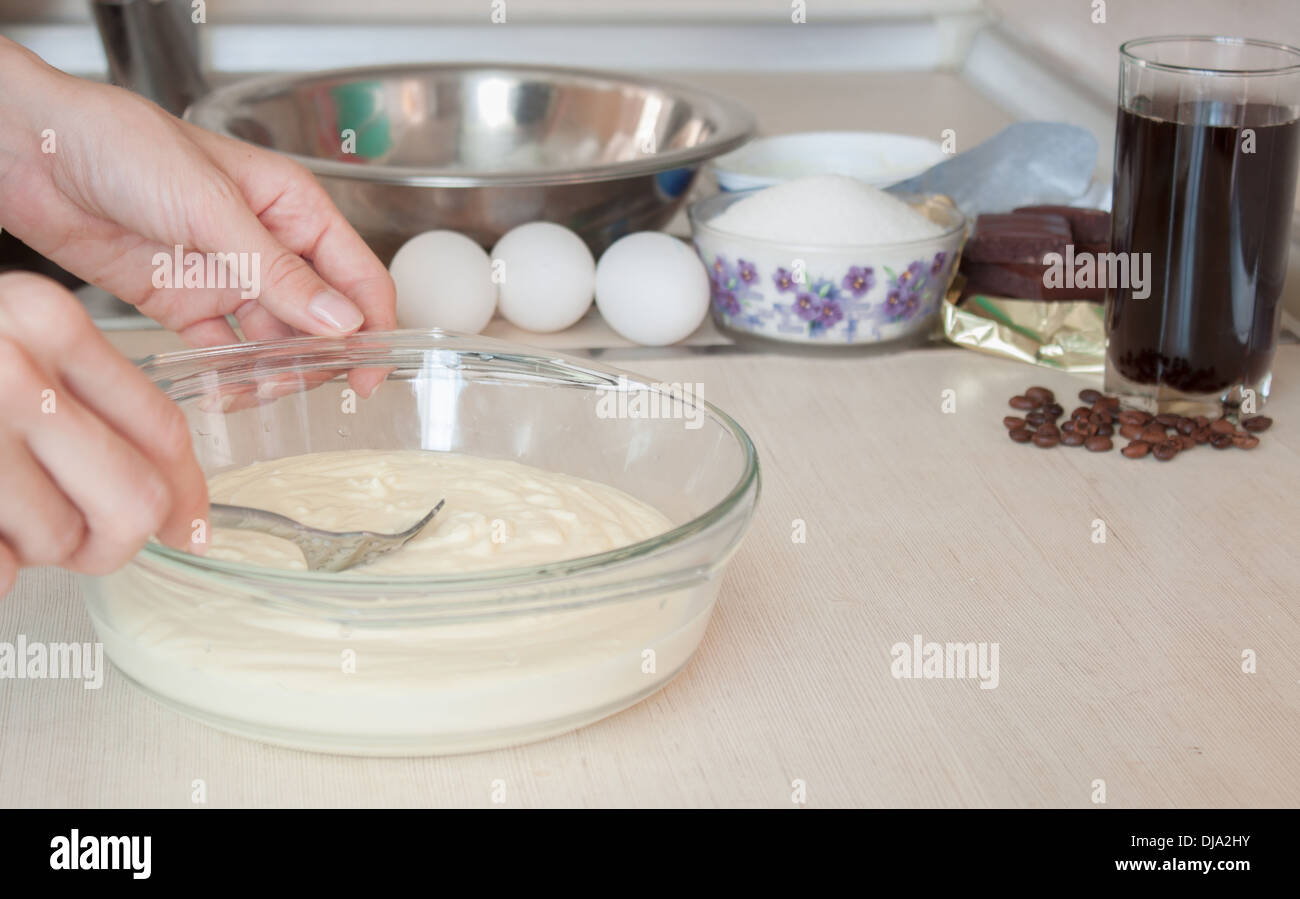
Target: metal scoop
323,550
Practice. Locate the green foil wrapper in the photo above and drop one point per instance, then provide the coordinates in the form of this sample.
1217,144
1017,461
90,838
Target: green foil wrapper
1065,336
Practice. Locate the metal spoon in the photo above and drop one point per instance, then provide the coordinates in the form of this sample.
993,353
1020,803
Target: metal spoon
323,550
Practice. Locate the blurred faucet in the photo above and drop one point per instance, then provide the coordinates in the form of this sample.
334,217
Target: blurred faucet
153,49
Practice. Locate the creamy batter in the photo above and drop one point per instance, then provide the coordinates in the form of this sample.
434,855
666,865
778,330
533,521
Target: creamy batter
499,514
397,687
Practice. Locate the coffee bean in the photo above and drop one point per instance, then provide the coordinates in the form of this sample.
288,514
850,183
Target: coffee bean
1021,435
1035,418
1068,427
1011,422
1069,438
1040,395
1081,412
1166,451
1245,441
1085,428
1222,426
1053,410
1131,431
1220,441
1022,403
1257,423
1153,434
1105,416
1202,435
1098,444
1137,449
1202,421
1107,402
1089,396
1167,419
1106,430
1185,426
1045,439
1049,427
1185,441
1134,416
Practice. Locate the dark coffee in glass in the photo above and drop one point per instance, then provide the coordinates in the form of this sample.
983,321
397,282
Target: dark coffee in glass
1207,147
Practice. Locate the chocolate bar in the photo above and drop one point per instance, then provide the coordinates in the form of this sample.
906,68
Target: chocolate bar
1090,226
1019,237
1021,280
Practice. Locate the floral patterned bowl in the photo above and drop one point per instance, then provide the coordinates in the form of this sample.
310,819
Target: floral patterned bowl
828,294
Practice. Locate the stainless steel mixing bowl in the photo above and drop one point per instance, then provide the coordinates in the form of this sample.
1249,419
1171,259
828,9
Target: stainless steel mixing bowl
480,149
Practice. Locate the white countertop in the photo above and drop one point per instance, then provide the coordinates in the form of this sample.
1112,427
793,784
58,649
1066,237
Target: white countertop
1118,661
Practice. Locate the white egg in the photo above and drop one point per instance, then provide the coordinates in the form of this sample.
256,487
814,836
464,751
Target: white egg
444,280
547,276
652,288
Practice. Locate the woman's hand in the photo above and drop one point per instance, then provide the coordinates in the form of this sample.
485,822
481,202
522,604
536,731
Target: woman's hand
94,459
125,181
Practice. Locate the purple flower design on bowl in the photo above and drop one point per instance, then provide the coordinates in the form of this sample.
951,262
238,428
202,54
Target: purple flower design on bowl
726,302
746,271
731,286
859,280
820,306
829,314
783,280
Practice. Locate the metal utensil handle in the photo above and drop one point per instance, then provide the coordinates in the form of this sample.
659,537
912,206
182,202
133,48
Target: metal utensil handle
223,516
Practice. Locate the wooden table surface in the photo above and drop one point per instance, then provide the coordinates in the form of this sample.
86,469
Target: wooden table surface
1119,661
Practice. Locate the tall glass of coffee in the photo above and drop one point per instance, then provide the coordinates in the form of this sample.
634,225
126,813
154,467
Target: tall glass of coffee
1206,150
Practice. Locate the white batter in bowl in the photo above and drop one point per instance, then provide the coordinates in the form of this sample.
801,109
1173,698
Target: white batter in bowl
571,574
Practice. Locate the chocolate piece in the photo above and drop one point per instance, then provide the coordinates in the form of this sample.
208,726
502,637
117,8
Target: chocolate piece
1021,280
1017,237
1090,226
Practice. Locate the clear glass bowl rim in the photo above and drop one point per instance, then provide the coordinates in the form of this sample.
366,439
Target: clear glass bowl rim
160,367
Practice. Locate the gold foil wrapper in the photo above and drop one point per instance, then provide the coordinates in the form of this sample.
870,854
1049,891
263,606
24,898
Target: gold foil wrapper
1066,336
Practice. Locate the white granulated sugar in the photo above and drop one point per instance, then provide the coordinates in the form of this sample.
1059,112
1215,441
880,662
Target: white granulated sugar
825,210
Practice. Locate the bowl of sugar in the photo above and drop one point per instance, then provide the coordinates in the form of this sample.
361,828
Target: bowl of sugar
827,260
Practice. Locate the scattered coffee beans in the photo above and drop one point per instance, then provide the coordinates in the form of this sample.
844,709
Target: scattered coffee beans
1093,425
1166,451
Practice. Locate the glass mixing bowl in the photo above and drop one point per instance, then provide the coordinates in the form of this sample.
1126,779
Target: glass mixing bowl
411,665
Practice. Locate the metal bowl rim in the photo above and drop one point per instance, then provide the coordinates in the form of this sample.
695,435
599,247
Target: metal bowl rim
735,126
